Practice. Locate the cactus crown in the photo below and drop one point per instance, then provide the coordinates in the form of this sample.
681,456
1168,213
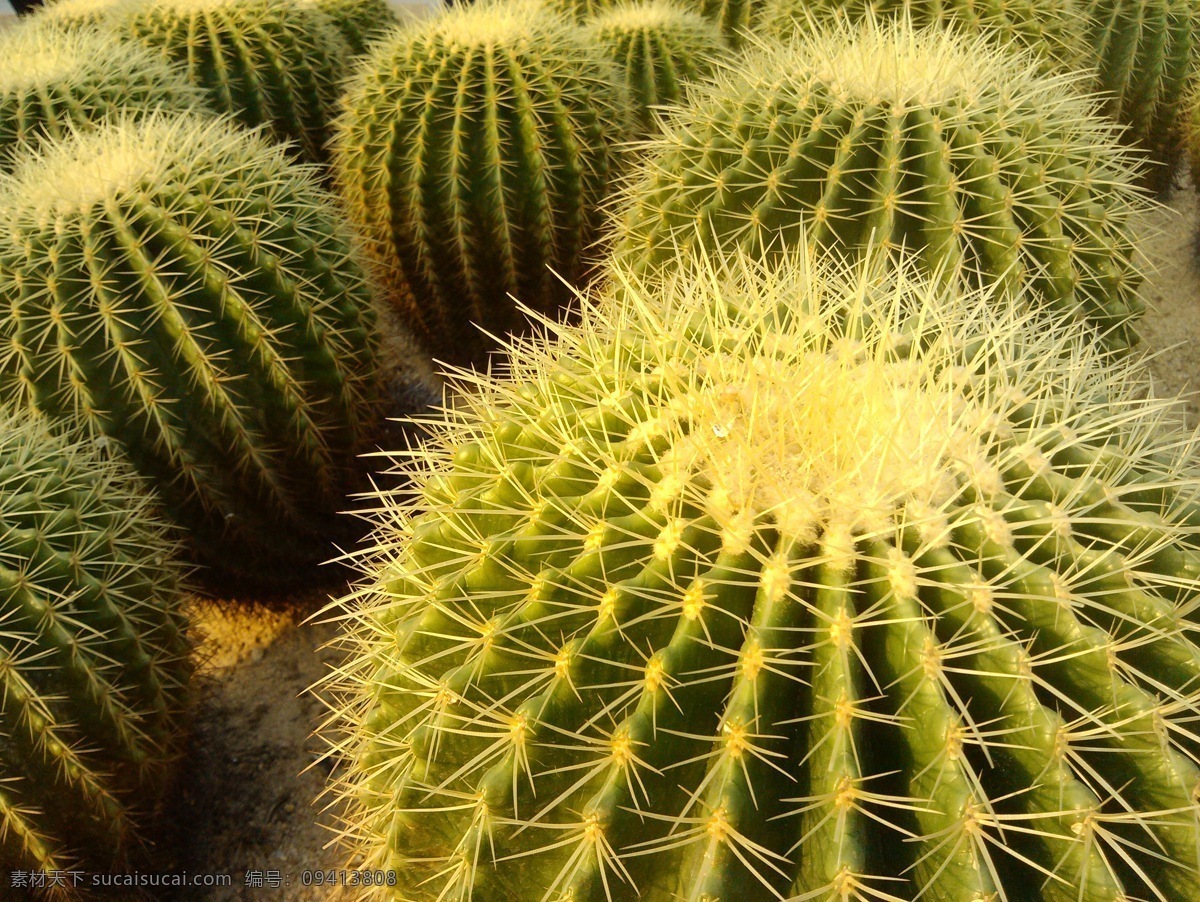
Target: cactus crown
774,580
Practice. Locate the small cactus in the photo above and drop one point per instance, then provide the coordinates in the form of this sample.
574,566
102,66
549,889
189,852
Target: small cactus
267,63
777,581
94,655
53,79
181,286
359,21
659,46
473,153
951,148
1145,52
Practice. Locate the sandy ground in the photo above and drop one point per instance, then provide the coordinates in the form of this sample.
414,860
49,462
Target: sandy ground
254,772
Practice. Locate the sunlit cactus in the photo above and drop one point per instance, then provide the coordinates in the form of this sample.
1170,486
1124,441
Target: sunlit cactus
52,80
954,149
1145,52
267,63
181,286
784,581
94,657
660,47
473,153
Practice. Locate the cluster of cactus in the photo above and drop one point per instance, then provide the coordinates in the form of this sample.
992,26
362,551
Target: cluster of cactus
473,154
180,285
267,63
785,581
901,138
52,80
1144,51
659,47
94,654
1052,29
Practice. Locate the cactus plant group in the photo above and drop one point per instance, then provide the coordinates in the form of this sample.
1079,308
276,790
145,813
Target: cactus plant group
898,137
785,581
659,47
473,153
179,285
94,654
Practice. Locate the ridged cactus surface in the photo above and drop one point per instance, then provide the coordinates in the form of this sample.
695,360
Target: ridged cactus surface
53,79
1145,52
94,655
1054,29
733,17
659,46
474,153
785,583
359,21
181,286
72,14
892,136
267,63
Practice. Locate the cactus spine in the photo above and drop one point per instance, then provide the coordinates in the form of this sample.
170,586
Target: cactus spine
1144,51
473,153
659,47
182,287
779,582
52,79
950,148
277,65
94,656
359,21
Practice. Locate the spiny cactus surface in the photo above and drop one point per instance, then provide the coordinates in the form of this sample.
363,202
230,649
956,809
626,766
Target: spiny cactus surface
181,286
94,655
359,21
73,14
474,152
52,79
659,47
1145,51
885,134
1053,29
778,582
733,17
267,63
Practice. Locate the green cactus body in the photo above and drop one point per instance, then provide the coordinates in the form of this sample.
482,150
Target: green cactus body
73,14
1144,53
271,64
359,21
94,655
1052,29
896,137
52,80
733,17
659,47
778,583
474,152
182,287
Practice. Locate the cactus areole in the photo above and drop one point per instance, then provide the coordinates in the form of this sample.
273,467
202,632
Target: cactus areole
781,583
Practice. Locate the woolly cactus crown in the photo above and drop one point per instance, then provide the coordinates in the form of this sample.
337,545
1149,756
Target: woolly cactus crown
956,150
782,581
53,78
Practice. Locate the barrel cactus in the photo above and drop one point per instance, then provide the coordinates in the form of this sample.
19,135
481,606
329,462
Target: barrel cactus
181,286
1144,51
52,79
271,64
892,136
659,46
782,581
473,153
71,14
94,655
359,21
733,17
1053,29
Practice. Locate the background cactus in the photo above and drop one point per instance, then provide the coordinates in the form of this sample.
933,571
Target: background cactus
70,14
359,21
1052,29
779,582
182,287
733,17
94,655
267,63
954,149
51,79
659,46
474,152
1144,51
